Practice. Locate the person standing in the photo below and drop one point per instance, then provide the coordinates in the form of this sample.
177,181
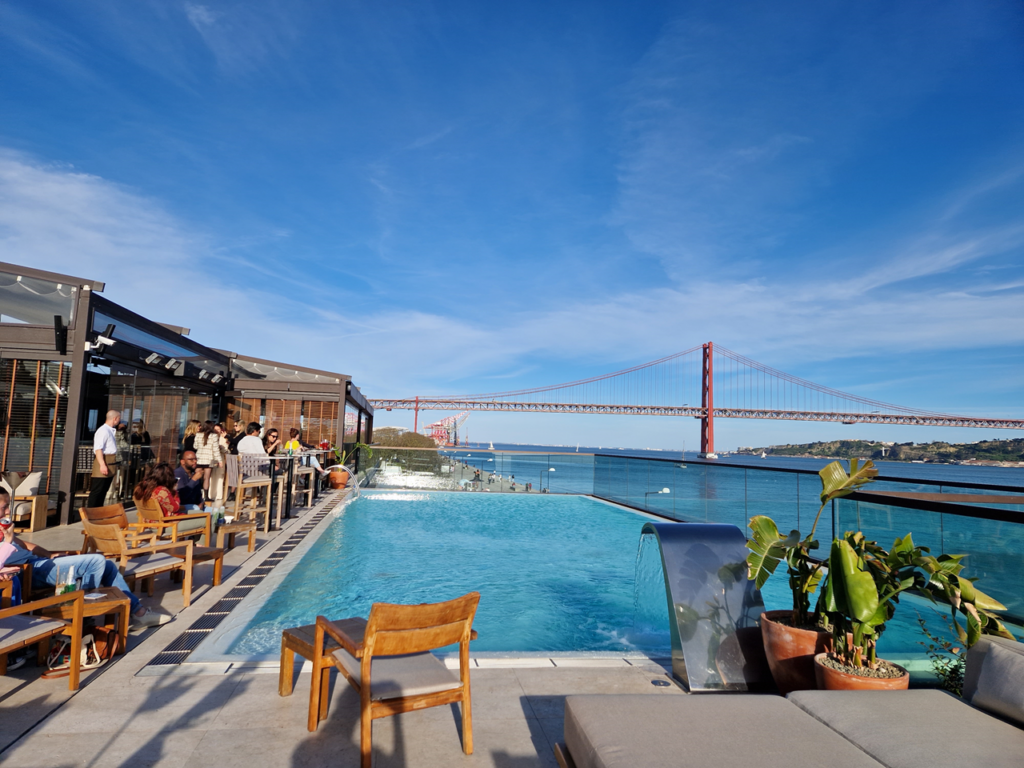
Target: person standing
208,452
188,442
104,465
236,438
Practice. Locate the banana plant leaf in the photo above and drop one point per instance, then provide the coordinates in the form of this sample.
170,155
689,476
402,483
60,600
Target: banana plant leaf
835,482
853,589
767,548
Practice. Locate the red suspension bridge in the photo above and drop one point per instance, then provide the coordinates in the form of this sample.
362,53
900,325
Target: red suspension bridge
705,382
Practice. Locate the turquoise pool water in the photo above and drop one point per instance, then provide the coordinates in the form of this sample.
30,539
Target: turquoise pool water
555,573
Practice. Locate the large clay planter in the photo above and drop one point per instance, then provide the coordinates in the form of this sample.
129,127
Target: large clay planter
338,478
834,680
791,651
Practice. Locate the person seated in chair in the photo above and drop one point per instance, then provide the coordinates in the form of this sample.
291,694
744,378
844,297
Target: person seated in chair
189,483
94,570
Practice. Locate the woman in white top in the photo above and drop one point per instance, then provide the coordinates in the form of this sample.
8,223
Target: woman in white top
209,453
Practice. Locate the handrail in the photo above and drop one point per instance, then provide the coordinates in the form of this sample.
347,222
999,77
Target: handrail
798,471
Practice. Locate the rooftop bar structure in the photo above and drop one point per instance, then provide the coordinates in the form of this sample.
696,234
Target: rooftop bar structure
68,355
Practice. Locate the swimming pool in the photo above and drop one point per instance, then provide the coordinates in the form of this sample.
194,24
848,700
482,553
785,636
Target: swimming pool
556,574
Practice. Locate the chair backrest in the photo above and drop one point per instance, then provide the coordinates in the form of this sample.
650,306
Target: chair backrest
253,465
231,469
397,629
149,509
113,514
107,538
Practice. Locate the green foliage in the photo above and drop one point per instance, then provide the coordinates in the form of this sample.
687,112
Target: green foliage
768,547
948,661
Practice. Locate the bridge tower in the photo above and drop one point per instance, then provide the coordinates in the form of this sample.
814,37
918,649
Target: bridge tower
707,401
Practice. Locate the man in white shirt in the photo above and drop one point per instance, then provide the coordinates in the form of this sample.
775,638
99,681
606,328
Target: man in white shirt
104,446
251,443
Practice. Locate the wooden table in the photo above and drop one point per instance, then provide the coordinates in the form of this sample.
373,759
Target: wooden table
115,603
301,640
230,529
199,555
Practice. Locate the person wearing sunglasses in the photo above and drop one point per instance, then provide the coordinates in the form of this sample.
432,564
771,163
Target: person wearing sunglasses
94,570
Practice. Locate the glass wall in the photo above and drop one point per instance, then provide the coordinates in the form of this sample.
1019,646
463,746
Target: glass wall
154,412
33,416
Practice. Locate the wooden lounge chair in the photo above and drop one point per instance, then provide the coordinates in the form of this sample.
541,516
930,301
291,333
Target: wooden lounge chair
141,563
19,630
176,526
135,534
391,665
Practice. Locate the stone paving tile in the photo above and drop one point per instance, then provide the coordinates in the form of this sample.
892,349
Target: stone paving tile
167,749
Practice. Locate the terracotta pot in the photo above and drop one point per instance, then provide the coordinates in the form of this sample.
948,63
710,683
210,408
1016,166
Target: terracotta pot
790,652
338,478
834,680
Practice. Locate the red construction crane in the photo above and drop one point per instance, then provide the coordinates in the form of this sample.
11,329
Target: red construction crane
446,431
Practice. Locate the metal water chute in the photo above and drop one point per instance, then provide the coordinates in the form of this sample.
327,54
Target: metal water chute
714,610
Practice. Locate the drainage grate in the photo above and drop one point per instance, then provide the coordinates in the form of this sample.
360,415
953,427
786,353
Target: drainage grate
179,649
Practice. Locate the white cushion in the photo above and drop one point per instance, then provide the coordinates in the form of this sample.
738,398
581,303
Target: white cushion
151,562
412,674
30,485
1001,684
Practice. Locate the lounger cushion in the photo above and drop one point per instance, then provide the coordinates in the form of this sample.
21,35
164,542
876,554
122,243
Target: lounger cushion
908,729
409,675
697,731
15,630
150,563
192,524
1001,685
976,660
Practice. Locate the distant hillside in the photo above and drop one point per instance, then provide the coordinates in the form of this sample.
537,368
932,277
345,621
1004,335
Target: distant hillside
984,451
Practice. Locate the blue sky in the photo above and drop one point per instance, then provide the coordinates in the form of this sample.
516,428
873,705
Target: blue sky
470,197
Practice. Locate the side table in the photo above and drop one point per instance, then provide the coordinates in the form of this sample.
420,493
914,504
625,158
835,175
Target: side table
230,529
115,603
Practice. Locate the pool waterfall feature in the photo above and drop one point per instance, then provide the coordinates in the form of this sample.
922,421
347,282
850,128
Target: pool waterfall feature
713,609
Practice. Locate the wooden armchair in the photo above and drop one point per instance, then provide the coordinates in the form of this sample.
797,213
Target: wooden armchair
19,630
135,534
391,665
177,526
141,563
29,507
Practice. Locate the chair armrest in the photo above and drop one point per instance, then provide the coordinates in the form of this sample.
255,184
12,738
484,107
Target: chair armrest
352,645
158,548
46,602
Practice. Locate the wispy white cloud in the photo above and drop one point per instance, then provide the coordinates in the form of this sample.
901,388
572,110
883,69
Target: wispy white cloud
59,219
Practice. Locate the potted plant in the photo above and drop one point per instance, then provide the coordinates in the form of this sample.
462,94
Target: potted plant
339,473
793,637
860,596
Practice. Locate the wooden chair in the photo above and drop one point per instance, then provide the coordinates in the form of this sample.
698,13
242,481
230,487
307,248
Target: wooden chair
388,685
176,526
29,507
143,562
307,473
253,473
135,534
19,630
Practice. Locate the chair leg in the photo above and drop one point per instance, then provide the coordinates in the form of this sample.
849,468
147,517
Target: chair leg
365,729
315,693
218,567
286,677
3,664
467,725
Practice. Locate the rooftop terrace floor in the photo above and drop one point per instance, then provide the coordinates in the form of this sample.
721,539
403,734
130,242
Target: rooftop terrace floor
226,715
